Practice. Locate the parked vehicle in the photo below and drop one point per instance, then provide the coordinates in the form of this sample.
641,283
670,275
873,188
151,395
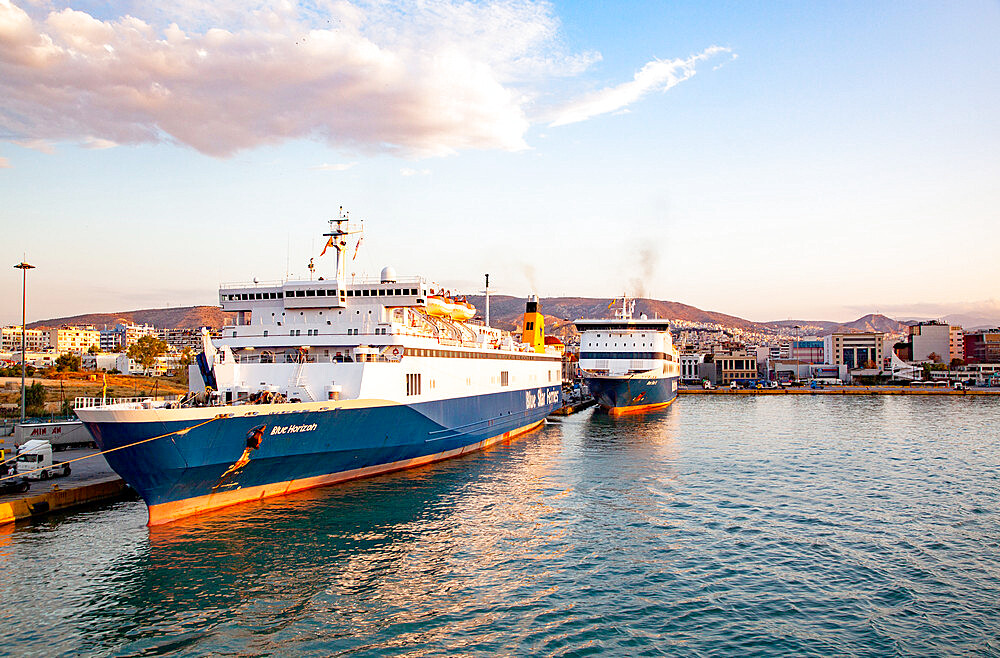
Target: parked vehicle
16,485
34,459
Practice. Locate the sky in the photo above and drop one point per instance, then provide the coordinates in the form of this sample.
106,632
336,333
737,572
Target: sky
769,160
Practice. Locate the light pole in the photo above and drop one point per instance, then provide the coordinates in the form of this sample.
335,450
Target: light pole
24,267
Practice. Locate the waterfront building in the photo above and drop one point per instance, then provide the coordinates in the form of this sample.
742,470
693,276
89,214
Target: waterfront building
35,340
854,350
691,368
808,350
75,340
956,343
734,364
982,346
927,338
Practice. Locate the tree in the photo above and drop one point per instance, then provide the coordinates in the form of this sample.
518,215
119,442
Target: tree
935,357
67,362
146,350
94,349
34,400
956,363
182,364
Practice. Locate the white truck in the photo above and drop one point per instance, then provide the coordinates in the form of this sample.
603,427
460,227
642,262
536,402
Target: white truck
34,461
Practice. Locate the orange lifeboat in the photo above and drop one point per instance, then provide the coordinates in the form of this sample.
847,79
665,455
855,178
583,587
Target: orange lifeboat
438,306
463,311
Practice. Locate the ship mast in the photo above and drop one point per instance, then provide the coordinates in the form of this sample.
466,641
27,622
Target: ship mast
338,240
628,306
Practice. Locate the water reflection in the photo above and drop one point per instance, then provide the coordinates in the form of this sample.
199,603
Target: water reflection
716,526
352,558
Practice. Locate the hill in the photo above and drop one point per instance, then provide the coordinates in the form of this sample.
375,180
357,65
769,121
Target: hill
506,313
180,317
870,322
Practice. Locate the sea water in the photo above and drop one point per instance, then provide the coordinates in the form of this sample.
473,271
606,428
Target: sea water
722,526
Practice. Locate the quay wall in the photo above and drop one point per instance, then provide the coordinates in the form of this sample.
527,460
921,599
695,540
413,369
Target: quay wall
108,488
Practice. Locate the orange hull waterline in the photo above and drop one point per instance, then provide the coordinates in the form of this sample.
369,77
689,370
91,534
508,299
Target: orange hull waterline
168,512
639,408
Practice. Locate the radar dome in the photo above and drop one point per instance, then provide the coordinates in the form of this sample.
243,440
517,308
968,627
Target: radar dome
388,274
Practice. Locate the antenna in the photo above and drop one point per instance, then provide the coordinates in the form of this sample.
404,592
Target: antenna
487,299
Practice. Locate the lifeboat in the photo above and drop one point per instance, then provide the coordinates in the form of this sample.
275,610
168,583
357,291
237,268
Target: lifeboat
438,306
462,311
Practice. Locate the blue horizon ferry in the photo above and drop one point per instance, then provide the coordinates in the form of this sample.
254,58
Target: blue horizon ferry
321,381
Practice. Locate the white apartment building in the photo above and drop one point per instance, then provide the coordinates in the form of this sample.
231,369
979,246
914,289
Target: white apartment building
76,340
36,340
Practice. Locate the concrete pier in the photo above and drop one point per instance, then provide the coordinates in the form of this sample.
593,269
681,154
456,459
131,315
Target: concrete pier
574,407
90,481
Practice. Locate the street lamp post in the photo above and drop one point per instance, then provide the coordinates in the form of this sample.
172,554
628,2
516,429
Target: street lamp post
24,267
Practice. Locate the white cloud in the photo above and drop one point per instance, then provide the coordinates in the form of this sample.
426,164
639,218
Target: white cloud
98,143
40,145
406,171
415,78
343,166
4,163
658,75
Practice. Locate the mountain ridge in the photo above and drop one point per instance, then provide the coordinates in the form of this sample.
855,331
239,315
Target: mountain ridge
505,312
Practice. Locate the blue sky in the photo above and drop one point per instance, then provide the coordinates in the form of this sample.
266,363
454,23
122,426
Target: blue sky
768,160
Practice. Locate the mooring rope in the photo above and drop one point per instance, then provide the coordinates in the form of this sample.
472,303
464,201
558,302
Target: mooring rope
180,432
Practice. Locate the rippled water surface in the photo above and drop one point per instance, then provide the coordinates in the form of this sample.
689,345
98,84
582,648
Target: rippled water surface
720,526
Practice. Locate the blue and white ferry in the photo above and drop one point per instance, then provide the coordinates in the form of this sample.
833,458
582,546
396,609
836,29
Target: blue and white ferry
326,380
629,364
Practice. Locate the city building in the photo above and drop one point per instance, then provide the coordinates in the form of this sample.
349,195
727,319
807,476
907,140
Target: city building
982,346
180,339
690,368
930,338
102,361
734,365
165,363
857,350
75,340
122,336
956,343
35,340
808,351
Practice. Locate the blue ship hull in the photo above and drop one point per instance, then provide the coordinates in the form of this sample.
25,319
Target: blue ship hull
224,460
620,394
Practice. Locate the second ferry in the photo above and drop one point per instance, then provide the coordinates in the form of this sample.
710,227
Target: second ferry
629,364
326,380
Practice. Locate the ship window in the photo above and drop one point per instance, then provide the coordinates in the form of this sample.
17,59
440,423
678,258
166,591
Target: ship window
333,293
413,384
265,333
504,378
321,293
528,326
381,292
365,293
310,293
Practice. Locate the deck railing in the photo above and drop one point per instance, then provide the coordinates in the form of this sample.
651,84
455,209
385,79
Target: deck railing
125,403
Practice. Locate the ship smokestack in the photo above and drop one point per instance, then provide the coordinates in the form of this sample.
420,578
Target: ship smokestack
534,325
